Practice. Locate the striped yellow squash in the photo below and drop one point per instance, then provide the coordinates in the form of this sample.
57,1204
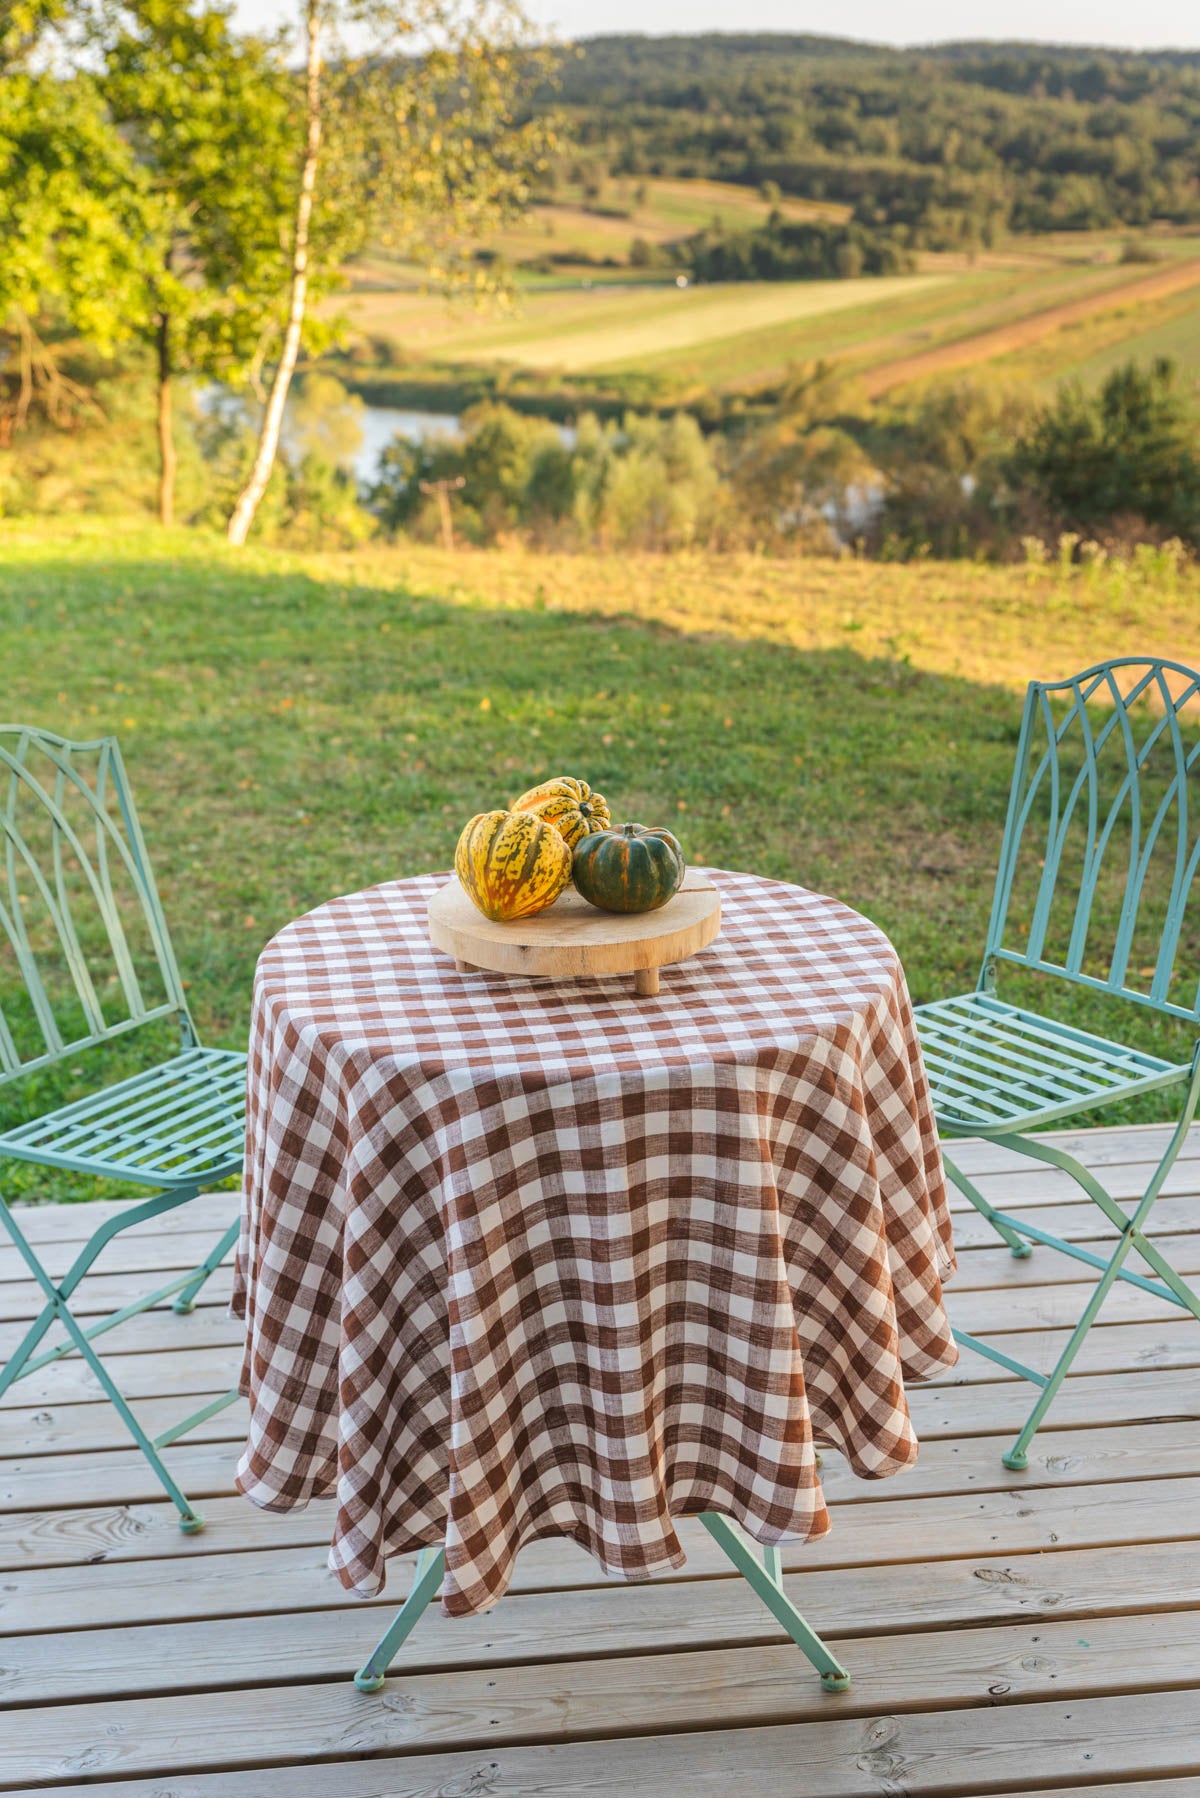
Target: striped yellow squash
569,804
511,864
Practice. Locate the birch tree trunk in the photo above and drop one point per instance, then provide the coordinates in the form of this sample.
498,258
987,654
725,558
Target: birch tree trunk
250,497
166,425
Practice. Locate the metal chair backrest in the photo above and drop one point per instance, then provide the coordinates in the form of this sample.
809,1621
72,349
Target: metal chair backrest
1107,762
84,951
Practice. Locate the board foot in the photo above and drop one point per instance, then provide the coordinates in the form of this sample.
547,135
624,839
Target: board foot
645,982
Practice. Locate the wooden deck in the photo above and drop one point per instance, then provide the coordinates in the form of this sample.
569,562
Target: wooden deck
1035,1633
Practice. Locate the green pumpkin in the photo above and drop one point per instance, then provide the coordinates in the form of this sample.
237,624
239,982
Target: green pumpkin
631,869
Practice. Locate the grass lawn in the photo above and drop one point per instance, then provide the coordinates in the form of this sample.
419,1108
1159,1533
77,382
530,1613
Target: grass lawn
302,726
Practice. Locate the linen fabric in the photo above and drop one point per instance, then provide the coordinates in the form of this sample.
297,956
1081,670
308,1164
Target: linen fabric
523,1257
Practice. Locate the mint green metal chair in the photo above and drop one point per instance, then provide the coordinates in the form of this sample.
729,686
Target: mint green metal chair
85,960
1105,801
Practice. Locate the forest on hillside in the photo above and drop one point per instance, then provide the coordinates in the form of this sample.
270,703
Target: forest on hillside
943,148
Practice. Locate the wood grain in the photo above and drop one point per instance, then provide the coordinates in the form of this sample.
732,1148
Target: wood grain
1034,1634
571,940
933,1753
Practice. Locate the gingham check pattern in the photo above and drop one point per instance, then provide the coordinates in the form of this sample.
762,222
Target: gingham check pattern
524,1258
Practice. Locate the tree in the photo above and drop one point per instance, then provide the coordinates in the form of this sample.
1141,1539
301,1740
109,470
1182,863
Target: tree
75,222
1131,450
207,114
22,25
415,140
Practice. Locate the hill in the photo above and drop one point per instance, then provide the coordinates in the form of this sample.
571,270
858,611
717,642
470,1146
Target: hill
948,146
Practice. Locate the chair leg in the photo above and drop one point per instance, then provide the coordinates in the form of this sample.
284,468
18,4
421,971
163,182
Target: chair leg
186,1301
58,1307
10,1373
1132,1236
431,1565
190,1521
1022,1250
765,1577
1017,1457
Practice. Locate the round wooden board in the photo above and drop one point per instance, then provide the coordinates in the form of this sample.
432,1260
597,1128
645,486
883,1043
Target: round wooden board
573,940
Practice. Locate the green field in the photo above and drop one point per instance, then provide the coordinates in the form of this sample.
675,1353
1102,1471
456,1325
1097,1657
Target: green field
302,726
625,322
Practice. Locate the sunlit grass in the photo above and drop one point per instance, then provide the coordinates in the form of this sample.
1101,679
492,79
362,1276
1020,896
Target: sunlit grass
297,727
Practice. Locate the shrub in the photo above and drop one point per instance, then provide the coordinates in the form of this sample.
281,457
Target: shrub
1130,451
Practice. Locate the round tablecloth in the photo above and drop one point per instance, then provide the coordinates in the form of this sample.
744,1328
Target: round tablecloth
524,1258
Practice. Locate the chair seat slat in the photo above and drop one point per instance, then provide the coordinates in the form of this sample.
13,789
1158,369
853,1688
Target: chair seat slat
982,1058
989,1050
161,1110
129,1138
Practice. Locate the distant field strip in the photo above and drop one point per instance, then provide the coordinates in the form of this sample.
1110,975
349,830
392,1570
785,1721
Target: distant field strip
623,336
986,346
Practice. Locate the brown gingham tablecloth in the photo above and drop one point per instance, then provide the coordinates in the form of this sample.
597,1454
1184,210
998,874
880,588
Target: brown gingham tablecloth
523,1257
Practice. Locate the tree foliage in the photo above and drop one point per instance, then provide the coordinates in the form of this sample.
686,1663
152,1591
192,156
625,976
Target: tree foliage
944,148
415,141
1129,451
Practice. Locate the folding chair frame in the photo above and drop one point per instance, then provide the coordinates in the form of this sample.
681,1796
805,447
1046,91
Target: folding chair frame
1038,1096
57,1309
171,1127
765,1577
1131,1235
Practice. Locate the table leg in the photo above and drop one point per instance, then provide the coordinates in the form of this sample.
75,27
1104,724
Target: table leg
766,1579
431,1565
645,982
764,1576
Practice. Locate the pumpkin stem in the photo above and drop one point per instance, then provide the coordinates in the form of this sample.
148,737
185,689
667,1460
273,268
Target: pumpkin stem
629,829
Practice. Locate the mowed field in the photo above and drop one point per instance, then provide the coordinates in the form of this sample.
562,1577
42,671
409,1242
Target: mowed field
1035,311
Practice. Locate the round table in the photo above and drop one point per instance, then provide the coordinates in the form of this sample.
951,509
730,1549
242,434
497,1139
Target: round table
523,1257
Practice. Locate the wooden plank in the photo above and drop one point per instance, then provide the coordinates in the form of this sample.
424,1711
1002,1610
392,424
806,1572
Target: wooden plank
76,1223
1138,1788
1106,1146
985,1312
147,1658
149,1333
81,1429
144,1659
1121,1453
994,1270
189,1373
1050,1307
937,1412
122,1476
940,1755
181,1372
1113,1348
150,1260
159,1256
981,1270
101,1293
151,1585
1030,1184
1084,1223
565,1701
208,1785
1088,1399
1015,1518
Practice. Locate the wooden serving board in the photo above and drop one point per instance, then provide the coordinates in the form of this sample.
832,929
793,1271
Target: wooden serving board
572,940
